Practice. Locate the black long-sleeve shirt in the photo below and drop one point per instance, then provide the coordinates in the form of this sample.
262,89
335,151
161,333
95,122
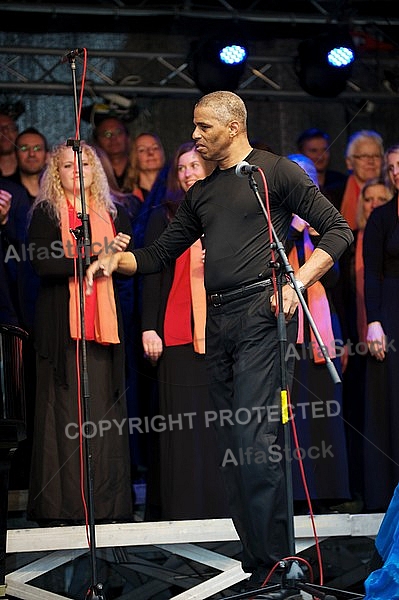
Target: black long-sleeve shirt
225,209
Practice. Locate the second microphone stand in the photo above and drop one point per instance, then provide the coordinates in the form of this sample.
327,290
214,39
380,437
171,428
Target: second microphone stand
293,576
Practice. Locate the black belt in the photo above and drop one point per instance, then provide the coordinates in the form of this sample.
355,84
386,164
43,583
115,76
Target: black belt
220,298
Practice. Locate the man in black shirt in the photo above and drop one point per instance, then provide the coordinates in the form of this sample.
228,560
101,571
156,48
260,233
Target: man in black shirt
242,346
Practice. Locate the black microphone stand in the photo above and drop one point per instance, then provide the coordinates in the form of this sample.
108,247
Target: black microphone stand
81,234
293,576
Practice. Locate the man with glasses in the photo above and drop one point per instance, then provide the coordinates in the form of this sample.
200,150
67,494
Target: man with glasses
364,157
364,154
112,135
31,152
8,133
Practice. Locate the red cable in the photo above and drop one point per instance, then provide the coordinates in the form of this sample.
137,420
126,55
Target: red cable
269,221
291,414
78,365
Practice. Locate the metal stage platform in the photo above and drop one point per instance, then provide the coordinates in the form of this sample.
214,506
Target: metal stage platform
202,541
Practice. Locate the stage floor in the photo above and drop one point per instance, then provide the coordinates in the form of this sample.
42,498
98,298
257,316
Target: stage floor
184,560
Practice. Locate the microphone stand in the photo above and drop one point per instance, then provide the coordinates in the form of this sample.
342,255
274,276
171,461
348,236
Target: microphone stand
81,234
293,576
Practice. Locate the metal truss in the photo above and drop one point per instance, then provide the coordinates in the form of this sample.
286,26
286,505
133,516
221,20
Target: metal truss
316,12
117,76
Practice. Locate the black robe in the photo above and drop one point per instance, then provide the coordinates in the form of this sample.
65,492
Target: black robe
56,480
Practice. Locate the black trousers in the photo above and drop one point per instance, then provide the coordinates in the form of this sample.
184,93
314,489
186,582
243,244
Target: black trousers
243,359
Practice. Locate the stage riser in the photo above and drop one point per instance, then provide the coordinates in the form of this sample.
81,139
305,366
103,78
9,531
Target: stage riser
177,537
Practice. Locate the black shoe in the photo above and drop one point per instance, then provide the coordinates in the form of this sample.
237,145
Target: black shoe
253,582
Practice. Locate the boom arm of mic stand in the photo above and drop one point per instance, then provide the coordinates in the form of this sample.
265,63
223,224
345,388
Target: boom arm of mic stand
278,246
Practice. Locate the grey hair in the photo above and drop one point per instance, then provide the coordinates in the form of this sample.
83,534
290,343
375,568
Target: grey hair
363,135
226,105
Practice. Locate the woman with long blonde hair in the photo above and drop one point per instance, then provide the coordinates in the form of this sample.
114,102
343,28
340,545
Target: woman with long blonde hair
56,493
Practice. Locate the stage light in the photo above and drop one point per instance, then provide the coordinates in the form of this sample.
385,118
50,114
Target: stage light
216,64
325,63
340,56
233,55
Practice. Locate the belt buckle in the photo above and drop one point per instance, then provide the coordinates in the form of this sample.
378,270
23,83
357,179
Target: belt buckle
216,300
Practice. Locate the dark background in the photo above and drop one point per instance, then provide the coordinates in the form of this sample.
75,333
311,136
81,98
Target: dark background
139,50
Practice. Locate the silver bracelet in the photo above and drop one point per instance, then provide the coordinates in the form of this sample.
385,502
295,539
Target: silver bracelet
300,285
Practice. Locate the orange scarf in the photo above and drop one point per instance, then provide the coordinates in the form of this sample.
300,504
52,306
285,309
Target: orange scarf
359,278
105,318
349,201
187,302
318,307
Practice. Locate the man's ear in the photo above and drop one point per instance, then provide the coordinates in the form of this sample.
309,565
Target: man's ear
234,128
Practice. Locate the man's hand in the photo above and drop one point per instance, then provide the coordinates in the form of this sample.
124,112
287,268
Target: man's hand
107,262
104,266
317,264
290,302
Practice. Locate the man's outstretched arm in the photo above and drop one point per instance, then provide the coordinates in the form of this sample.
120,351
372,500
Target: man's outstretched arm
108,262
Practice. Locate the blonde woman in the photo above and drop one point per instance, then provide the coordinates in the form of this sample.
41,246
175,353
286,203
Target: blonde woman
56,473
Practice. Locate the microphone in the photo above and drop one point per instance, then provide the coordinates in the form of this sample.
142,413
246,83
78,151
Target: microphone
243,168
71,54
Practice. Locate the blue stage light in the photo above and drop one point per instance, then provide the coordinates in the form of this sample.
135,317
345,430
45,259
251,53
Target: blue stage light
217,64
325,62
233,54
340,56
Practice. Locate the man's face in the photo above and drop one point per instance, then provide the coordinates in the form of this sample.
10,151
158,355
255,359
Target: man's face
366,160
8,134
317,150
31,154
212,138
112,137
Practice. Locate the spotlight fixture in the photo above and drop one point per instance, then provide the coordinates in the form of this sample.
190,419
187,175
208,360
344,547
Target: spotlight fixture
325,63
217,64
233,54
